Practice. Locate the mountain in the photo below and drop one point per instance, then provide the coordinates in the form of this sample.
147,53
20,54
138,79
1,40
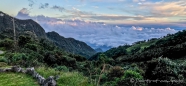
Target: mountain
30,27
21,27
71,45
98,50
102,47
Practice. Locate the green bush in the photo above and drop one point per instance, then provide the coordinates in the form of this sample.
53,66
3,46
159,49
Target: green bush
19,56
3,59
62,68
110,83
31,46
166,69
115,72
3,64
23,40
132,74
7,43
131,78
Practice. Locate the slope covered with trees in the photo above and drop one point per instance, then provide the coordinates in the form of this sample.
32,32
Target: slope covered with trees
71,45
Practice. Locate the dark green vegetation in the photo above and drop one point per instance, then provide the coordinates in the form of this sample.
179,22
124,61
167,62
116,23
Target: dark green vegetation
71,45
160,59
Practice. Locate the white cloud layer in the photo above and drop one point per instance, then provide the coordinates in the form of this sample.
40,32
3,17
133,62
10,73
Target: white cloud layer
98,33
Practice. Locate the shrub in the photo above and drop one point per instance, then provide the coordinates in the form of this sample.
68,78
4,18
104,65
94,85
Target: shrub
165,69
62,68
3,64
115,72
130,77
31,46
19,56
7,43
110,83
132,74
23,40
19,59
3,59
50,58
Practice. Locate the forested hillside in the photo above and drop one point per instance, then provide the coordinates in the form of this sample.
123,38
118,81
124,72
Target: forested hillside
71,45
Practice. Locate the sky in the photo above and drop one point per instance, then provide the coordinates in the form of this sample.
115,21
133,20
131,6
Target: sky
103,22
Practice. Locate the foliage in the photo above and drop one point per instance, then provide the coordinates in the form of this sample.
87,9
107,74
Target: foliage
115,72
131,78
132,74
23,40
166,69
3,59
31,46
3,64
62,68
7,43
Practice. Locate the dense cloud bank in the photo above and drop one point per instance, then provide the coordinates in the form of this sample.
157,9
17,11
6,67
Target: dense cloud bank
96,34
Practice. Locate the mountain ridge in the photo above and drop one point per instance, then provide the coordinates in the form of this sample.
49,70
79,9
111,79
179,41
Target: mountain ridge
32,28
78,47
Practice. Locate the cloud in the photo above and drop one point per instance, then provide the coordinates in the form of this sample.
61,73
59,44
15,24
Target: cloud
43,6
23,13
96,33
135,0
111,8
182,19
95,7
59,8
166,9
76,13
31,3
115,17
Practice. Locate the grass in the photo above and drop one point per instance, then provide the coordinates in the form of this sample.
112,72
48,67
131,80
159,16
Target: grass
66,78
17,79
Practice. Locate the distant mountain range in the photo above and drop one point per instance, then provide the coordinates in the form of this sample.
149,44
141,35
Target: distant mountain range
102,47
98,50
29,26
